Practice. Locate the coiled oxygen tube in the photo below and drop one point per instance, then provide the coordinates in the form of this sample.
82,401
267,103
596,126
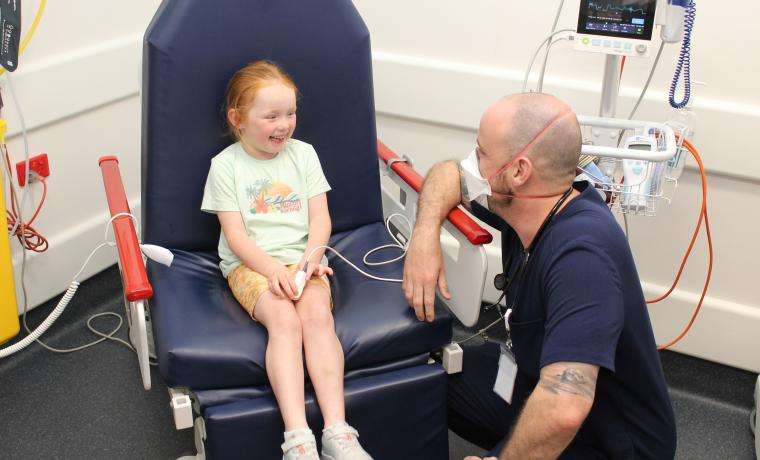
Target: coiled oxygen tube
684,57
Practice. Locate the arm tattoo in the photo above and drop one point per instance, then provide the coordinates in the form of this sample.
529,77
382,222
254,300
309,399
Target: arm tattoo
569,381
464,195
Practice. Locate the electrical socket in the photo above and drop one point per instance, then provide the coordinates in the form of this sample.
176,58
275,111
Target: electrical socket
38,163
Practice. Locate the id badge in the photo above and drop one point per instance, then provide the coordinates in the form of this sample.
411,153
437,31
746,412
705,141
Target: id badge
506,375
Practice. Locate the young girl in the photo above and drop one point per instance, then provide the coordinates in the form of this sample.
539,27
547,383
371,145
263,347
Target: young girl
268,191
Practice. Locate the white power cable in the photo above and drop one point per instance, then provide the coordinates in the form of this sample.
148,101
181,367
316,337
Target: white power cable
116,216
649,80
63,303
34,335
399,245
548,48
481,332
540,88
29,339
403,247
538,50
108,336
27,172
644,90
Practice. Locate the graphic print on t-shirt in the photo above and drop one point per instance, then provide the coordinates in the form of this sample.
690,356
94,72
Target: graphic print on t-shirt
272,197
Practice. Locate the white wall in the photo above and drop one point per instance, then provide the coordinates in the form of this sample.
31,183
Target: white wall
439,63
78,87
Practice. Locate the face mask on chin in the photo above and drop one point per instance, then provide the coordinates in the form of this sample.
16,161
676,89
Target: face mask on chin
478,188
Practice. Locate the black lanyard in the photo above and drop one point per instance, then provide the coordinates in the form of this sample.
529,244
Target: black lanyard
522,270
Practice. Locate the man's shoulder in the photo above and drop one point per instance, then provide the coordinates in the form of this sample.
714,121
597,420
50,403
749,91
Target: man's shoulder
588,229
588,218
588,226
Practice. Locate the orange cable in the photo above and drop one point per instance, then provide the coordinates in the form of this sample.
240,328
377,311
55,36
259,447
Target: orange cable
27,236
702,215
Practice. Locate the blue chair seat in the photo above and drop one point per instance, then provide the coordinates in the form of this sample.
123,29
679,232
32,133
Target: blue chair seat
205,340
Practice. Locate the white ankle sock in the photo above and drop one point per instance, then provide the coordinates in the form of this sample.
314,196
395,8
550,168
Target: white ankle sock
336,424
298,431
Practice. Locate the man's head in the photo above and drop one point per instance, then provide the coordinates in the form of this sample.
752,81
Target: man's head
528,144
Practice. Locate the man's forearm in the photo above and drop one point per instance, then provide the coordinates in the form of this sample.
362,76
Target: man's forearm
440,194
538,433
554,412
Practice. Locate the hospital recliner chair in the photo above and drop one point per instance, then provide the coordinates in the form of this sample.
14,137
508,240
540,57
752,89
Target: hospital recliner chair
209,352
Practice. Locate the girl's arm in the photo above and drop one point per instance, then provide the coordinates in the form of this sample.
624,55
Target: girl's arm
252,255
320,228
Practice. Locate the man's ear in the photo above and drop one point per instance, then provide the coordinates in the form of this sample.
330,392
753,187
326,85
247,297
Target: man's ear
523,171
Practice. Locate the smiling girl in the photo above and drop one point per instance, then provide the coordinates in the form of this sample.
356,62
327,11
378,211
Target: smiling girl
269,193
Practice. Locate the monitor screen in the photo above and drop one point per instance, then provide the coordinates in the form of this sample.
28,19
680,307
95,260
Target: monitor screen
617,18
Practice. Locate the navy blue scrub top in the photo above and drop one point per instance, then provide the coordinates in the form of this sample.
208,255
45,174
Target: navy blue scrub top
580,300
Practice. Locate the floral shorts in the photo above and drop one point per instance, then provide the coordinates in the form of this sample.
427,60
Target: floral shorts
248,286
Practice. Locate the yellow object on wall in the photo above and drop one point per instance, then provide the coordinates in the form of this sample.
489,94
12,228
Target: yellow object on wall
9,326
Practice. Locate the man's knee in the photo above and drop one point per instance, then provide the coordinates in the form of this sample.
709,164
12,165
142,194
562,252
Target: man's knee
476,413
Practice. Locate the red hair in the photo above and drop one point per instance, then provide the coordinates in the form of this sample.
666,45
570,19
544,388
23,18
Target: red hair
246,83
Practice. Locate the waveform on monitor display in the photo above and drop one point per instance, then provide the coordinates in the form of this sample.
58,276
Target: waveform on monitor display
607,7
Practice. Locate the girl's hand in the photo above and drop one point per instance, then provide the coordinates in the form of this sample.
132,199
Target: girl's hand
282,282
317,270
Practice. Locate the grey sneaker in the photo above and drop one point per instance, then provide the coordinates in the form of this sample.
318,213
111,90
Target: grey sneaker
341,442
299,445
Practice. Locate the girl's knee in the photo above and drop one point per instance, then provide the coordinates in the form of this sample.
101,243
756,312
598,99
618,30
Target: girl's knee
283,322
315,316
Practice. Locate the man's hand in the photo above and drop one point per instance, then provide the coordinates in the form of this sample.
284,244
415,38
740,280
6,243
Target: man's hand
423,270
471,457
423,267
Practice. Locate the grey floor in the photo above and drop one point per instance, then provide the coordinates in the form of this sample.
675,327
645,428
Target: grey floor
91,404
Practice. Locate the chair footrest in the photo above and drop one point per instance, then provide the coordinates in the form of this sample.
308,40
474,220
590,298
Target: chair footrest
415,429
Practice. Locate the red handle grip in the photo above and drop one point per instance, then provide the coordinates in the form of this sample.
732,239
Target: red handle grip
133,275
464,223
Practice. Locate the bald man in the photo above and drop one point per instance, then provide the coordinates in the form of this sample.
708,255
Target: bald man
580,376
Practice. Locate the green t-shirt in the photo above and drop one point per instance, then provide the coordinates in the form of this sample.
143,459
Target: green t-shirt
271,196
